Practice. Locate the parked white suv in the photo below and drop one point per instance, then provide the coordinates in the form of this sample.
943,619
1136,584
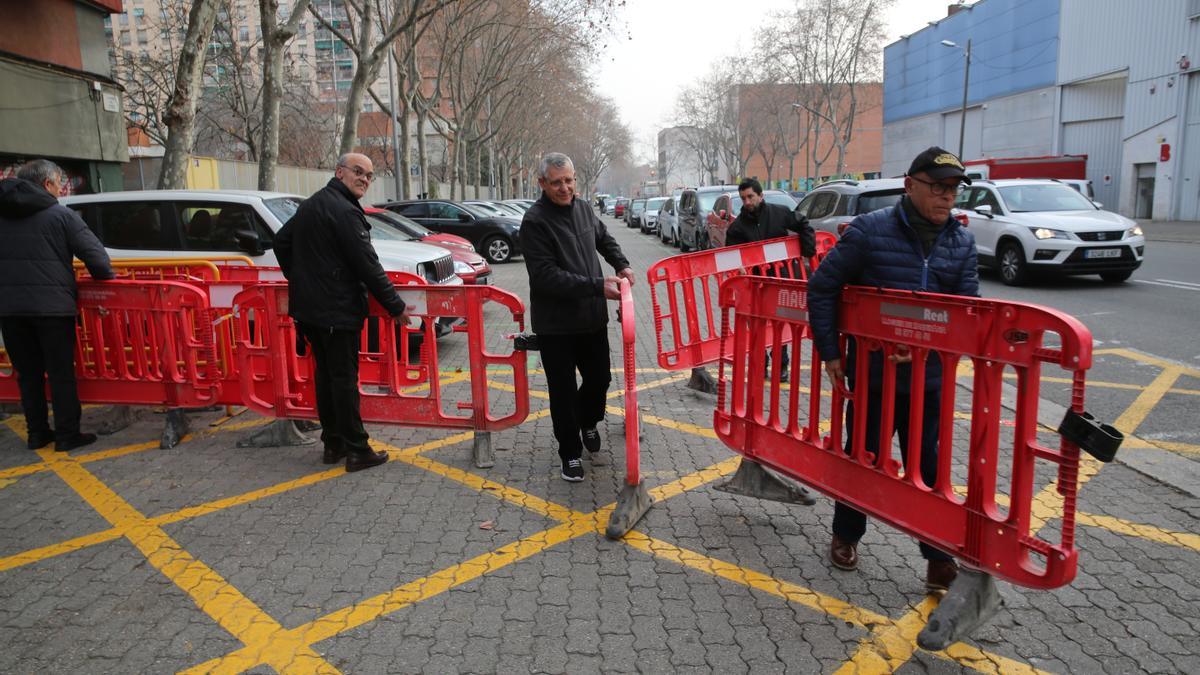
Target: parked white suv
1023,226
209,223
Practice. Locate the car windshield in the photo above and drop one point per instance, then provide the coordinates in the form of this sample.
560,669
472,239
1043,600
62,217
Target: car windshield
1044,197
486,208
780,199
475,210
383,229
638,206
656,203
873,201
402,223
283,208
707,199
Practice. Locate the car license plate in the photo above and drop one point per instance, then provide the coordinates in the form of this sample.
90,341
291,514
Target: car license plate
1102,253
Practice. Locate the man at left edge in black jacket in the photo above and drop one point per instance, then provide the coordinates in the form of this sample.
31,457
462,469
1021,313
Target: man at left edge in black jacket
38,298
326,254
560,236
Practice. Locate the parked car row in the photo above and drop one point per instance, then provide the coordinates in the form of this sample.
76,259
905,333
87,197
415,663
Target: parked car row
1022,227
492,230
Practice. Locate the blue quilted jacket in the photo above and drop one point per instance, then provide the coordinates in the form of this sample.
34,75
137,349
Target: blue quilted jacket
880,249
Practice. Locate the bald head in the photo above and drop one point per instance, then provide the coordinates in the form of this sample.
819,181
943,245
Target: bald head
356,172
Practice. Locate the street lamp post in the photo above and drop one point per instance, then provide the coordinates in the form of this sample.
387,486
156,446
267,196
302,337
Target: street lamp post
962,122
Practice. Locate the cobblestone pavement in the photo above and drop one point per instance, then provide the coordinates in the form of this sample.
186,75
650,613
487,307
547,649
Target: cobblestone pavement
212,558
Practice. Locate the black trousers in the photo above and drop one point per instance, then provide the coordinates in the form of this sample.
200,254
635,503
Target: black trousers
41,347
573,408
335,356
849,524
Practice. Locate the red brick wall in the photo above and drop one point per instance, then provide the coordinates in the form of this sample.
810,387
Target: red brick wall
44,30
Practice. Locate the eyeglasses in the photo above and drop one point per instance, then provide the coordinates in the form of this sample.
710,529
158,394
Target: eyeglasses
941,189
358,171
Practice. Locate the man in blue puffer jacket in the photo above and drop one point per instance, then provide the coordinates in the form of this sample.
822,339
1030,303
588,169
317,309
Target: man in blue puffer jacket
914,246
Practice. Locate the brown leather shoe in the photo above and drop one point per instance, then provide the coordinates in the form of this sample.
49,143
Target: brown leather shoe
940,574
843,554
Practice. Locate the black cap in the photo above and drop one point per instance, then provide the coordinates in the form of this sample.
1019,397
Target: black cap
938,164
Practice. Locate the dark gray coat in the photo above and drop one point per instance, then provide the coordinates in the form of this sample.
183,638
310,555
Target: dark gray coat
566,283
38,240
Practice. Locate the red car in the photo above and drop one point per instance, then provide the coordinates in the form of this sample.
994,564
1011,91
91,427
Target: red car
619,209
468,265
729,205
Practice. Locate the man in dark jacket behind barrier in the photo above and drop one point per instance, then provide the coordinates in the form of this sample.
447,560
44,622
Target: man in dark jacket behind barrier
560,235
914,246
326,254
38,302
759,220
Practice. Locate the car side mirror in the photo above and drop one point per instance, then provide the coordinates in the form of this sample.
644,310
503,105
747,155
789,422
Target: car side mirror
984,210
248,242
465,218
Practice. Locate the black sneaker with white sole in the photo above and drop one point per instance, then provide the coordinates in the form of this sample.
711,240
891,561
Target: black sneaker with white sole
572,470
591,439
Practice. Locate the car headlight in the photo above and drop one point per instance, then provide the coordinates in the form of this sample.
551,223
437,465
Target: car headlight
1047,233
461,267
1135,231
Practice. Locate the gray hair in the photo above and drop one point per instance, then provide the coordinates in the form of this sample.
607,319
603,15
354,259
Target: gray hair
342,159
38,171
556,160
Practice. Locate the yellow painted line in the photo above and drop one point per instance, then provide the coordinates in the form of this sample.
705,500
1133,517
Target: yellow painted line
1134,442
69,546
216,597
756,580
5,482
1148,532
1138,410
373,608
1146,358
1107,385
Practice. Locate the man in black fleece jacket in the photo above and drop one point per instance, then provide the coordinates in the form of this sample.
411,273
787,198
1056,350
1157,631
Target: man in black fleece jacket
560,236
326,254
38,298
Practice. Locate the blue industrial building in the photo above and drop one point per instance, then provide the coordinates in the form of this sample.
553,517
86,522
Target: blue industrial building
1112,79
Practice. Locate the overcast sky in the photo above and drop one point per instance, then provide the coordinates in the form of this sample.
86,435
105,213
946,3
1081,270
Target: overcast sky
672,42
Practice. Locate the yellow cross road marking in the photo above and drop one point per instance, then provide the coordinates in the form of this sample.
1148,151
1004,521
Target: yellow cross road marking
212,594
1138,410
1152,360
1136,443
1148,532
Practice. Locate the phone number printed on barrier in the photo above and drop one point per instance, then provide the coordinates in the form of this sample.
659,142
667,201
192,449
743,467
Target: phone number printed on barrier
915,323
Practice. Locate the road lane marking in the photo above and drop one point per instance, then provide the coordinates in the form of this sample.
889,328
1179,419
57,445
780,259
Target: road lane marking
213,595
1183,286
1137,411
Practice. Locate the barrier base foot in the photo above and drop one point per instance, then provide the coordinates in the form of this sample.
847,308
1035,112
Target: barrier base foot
280,433
752,480
632,504
482,451
306,426
116,418
971,601
175,427
702,382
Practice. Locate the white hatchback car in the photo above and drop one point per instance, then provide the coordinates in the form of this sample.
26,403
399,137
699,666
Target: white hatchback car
212,223
1023,226
218,223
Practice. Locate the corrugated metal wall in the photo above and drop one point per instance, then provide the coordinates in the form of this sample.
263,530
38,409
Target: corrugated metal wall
1188,197
1092,125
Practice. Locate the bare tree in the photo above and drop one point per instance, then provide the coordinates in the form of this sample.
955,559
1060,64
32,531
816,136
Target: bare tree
829,48
180,118
276,36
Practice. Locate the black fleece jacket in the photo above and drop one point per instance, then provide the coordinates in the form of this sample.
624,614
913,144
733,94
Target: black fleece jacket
326,254
38,239
768,222
566,283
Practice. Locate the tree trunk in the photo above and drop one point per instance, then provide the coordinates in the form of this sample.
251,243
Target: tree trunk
180,117
405,164
422,159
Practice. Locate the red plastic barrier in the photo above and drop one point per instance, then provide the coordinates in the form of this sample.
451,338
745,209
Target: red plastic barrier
779,424
633,452
140,343
276,381
825,242
688,284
